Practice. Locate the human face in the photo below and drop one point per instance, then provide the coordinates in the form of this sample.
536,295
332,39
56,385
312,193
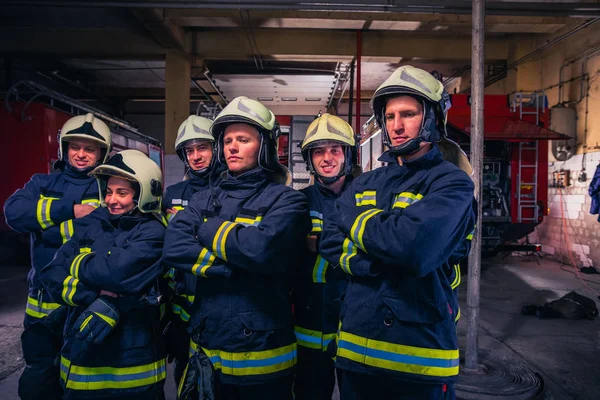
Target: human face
403,118
328,159
241,145
119,196
83,154
199,154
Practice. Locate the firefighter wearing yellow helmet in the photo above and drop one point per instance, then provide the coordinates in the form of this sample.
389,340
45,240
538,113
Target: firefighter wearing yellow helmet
46,208
241,239
330,152
398,232
195,146
106,276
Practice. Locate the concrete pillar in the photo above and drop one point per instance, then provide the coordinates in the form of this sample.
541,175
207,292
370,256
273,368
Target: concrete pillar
177,96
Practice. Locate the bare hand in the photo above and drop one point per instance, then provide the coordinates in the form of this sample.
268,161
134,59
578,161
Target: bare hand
171,211
311,243
81,210
107,293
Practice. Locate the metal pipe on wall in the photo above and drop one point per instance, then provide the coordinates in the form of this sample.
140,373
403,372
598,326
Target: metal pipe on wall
351,93
477,81
358,94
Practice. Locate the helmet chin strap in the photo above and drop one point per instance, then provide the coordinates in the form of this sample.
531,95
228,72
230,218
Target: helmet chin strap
409,147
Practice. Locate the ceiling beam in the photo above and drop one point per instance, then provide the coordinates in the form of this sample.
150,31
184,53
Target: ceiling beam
289,44
524,8
166,33
186,17
80,43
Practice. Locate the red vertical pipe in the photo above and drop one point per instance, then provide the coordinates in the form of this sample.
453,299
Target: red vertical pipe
358,96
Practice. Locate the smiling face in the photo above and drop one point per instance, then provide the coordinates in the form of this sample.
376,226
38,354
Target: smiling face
241,145
119,195
328,159
403,119
199,154
83,154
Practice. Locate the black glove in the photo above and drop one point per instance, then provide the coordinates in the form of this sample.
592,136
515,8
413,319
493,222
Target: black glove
199,378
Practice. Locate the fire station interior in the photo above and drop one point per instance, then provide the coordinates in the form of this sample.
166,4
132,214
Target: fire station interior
144,66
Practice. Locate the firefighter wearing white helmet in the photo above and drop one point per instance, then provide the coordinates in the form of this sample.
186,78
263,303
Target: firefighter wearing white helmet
398,233
241,238
106,276
47,208
330,152
195,147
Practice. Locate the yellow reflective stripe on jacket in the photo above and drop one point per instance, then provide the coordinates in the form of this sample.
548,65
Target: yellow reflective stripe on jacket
221,238
398,357
251,362
358,228
470,235
183,314
37,310
249,221
98,378
457,315
320,269
349,250
366,198
43,211
66,230
317,221
74,270
457,278
69,289
405,199
91,202
313,339
171,216
204,261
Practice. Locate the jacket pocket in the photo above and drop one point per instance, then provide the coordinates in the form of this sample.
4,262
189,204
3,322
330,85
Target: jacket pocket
415,310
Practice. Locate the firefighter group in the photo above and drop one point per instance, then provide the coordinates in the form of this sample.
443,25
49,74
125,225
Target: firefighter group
250,289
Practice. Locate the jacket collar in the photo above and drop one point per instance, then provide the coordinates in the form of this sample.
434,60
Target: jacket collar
244,185
432,157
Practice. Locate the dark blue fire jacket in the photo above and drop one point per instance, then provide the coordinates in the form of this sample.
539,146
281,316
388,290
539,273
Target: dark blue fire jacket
395,232
44,209
119,254
242,240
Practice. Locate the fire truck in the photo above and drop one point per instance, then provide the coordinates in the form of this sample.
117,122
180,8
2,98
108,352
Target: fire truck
30,122
515,166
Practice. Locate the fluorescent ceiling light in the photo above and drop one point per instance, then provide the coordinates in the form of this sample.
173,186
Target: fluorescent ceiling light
313,99
264,98
289,98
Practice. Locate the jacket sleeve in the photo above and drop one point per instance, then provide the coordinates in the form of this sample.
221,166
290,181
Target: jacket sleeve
127,269
418,238
58,277
183,251
27,210
340,251
267,247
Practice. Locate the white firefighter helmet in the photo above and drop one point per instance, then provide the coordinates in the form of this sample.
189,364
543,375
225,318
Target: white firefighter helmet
134,166
411,81
86,127
243,110
330,128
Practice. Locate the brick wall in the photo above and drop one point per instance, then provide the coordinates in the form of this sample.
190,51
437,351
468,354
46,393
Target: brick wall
571,227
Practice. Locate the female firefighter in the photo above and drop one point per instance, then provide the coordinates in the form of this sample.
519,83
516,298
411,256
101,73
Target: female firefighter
241,239
106,273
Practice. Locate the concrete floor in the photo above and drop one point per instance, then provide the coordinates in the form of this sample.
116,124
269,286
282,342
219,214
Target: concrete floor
565,353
